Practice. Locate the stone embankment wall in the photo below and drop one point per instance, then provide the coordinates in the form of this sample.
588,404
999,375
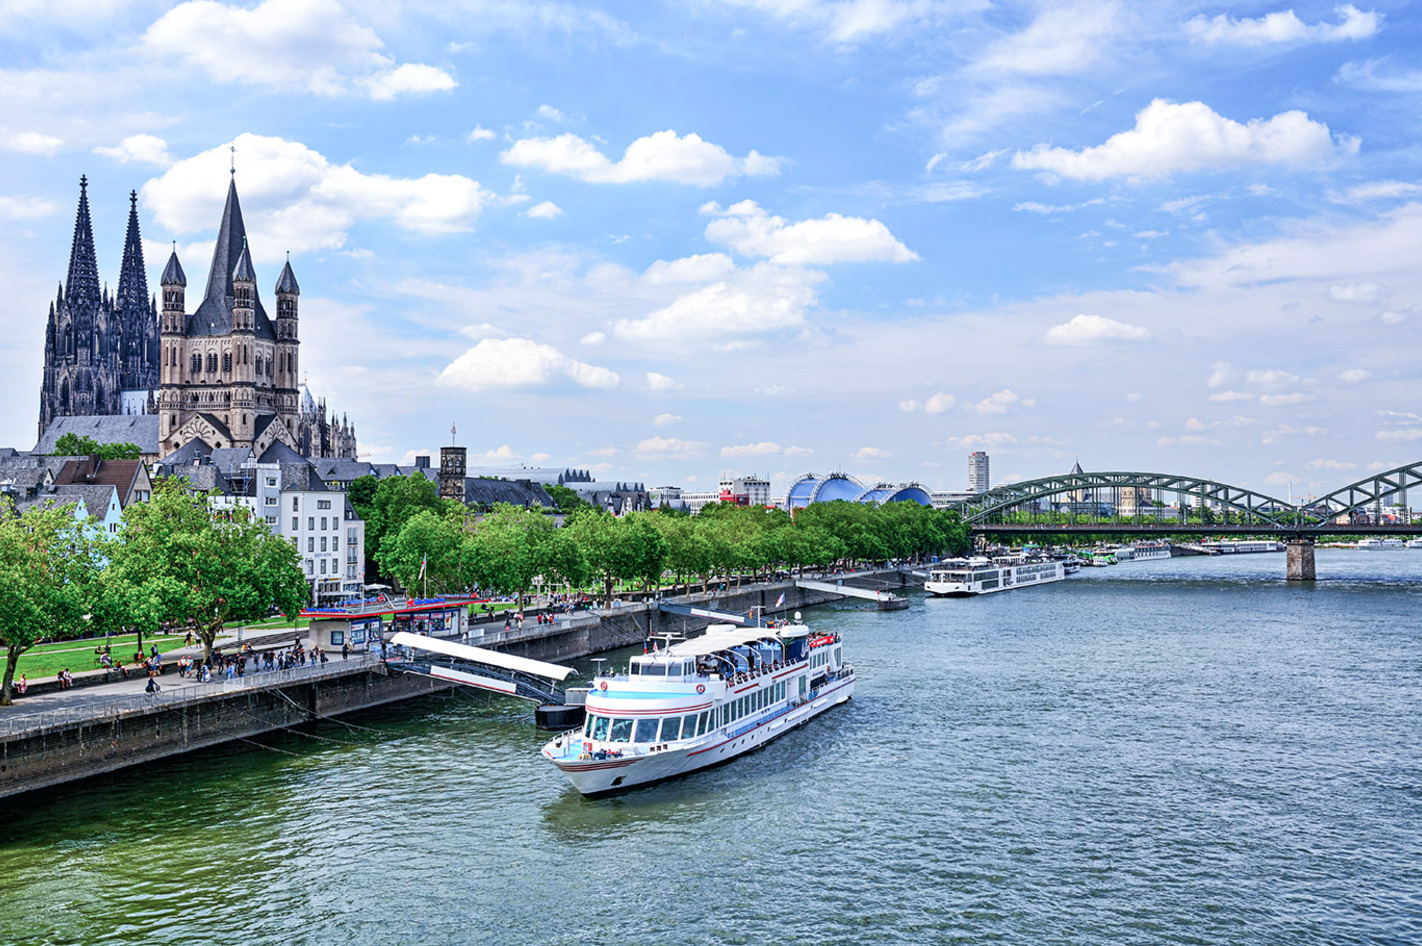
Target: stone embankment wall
81,748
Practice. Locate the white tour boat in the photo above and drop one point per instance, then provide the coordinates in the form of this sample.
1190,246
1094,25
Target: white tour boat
960,577
1145,551
1377,544
699,703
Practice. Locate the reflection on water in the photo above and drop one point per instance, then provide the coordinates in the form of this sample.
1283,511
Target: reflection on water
1187,750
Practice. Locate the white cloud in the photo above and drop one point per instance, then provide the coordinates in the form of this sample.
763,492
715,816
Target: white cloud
293,198
703,267
1001,402
550,113
1032,206
313,46
593,338
480,133
660,382
145,149
520,362
749,230
1285,430
870,453
938,403
666,420
1282,27
1173,137
848,21
1092,330
663,156
1273,378
670,448
1225,397
908,406
1189,440
763,299
1331,465
26,208
30,142
1400,434
544,211
1354,375
1378,190
1368,293
1065,39
746,450
1286,400
1379,76
1221,373
798,451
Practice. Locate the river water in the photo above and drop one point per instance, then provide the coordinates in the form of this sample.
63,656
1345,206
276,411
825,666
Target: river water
1178,751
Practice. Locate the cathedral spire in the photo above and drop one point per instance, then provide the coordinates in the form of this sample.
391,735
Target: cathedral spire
231,241
133,281
81,288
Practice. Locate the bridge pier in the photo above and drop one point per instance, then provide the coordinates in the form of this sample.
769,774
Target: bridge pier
1300,564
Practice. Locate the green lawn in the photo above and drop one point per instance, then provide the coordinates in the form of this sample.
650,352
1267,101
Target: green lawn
46,660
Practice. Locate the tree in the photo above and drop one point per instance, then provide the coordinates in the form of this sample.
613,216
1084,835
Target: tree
48,566
427,541
508,547
394,501
72,445
179,560
567,500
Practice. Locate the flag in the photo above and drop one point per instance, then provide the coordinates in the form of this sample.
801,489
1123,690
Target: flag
422,566
780,600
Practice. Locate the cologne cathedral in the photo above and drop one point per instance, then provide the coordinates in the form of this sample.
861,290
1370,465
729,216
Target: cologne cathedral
225,374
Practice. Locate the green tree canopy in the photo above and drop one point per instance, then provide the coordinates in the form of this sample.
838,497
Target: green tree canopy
72,445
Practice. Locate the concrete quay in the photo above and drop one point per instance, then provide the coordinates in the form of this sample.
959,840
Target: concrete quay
52,738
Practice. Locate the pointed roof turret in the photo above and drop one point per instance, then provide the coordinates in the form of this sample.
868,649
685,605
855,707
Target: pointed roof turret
286,282
244,271
81,288
133,281
1076,468
173,274
214,314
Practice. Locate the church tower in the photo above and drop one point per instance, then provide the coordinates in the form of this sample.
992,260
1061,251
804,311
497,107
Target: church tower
135,326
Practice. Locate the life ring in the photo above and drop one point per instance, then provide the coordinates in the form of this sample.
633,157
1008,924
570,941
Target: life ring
602,685
700,688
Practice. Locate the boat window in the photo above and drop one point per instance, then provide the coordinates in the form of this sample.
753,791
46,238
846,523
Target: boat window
634,669
599,727
689,668
646,730
701,725
671,729
654,670
836,656
621,730
688,727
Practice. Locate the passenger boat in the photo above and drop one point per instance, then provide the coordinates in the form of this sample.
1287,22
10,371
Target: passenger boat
1144,551
1103,557
964,577
1376,544
701,702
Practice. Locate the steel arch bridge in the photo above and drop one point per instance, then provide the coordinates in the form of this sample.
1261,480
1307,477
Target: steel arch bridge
1257,512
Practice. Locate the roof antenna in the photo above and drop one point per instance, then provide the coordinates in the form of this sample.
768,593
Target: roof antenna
234,160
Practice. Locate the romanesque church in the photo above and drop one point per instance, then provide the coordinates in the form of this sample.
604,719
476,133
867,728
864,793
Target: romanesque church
225,375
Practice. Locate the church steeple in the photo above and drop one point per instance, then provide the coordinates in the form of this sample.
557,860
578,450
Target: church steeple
81,288
133,281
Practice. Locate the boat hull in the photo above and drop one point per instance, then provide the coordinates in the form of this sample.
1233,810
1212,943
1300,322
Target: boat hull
598,777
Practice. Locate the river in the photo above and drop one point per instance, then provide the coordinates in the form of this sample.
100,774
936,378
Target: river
1177,751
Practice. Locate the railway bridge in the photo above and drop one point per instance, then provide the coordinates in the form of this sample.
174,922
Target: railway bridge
1199,506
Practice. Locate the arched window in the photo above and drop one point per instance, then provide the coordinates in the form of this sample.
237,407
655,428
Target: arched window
197,363
212,361
227,361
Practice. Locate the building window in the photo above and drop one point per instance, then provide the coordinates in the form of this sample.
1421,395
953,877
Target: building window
350,571
227,361
323,504
351,536
323,566
338,638
271,520
351,554
295,525
197,363
310,544
294,506
323,543
323,523
311,523
212,362
270,501
271,481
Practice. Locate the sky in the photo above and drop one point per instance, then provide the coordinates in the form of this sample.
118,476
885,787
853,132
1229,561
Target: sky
674,241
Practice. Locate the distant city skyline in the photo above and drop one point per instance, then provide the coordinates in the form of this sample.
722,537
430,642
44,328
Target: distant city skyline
676,243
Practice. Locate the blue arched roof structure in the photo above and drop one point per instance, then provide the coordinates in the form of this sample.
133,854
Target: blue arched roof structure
801,491
812,488
836,486
896,493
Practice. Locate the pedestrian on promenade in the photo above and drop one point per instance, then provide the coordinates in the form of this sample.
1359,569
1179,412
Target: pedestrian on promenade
22,686
345,651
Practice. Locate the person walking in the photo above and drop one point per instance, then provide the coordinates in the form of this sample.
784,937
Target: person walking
345,651
22,686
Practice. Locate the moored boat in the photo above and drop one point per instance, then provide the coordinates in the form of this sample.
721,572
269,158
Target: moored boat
965,577
699,703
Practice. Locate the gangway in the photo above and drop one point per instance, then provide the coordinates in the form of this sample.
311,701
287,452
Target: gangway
886,600
722,617
491,670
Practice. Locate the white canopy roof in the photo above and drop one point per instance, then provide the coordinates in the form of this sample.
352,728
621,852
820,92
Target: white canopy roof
717,639
493,658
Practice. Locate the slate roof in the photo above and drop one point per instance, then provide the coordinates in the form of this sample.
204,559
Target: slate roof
342,469
97,498
482,492
139,429
286,282
217,424
230,458
279,452
173,273
194,451
214,313
301,475
119,474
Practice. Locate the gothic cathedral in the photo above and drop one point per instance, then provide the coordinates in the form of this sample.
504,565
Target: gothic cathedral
225,374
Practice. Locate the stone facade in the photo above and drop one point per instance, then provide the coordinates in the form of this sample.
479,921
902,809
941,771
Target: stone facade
225,374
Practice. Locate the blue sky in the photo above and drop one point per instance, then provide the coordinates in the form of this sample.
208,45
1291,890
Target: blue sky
669,241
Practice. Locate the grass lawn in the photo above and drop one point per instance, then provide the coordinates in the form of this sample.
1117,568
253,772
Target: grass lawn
46,660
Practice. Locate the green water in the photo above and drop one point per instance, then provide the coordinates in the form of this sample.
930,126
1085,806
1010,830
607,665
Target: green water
1185,751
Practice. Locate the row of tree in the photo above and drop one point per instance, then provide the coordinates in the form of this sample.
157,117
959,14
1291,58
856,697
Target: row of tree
424,543
176,561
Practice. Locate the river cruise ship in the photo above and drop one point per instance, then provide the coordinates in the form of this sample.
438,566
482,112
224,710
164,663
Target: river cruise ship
1384,544
699,703
1145,551
964,577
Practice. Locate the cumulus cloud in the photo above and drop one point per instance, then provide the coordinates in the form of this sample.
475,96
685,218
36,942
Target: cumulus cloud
1221,373
1092,330
1332,465
847,21
663,156
870,453
1173,137
1272,378
1001,402
544,211
763,299
1286,400
935,404
593,338
145,149
1354,375
480,133
666,420
1189,440
703,267
1367,293
30,142
520,363
660,382
293,198
1378,190
1282,27
1399,434
746,450
26,208
313,46
750,231
1065,39
670,448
